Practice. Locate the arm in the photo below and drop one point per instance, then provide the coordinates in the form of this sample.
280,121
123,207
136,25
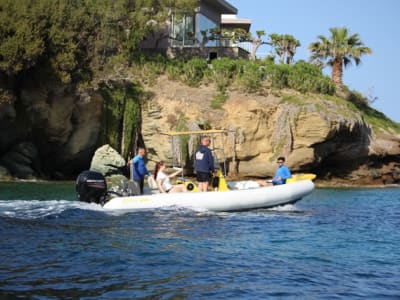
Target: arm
286,173
142,168
174,174
210,161
159,184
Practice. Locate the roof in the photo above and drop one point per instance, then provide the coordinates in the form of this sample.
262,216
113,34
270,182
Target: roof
231,21
222,6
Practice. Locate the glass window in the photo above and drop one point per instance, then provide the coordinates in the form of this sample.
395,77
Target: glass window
182,31
206,26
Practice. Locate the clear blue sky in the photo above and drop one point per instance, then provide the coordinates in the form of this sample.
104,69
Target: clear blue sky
377,22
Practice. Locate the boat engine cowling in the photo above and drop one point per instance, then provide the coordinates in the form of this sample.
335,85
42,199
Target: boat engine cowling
91,187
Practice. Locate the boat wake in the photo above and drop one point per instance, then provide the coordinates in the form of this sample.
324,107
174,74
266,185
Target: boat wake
35,209
285,208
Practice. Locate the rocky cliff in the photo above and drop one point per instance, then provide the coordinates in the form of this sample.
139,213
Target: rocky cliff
326,136
54,132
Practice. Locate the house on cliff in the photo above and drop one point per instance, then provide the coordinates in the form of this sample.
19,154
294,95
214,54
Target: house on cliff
197,34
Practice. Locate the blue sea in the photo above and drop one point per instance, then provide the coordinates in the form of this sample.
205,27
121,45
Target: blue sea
333,244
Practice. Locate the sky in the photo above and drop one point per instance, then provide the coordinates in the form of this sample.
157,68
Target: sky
377,22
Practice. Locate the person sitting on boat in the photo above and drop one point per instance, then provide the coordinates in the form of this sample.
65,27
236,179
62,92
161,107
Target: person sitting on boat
163,179
282,173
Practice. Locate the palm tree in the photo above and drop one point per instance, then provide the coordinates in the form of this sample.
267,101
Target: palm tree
338,51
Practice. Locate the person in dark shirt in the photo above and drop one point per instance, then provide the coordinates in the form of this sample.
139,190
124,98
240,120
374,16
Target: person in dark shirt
204,164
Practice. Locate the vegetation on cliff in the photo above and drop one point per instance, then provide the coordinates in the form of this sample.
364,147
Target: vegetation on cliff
76,38
263,77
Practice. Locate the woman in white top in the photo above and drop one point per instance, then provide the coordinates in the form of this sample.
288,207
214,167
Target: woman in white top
163,182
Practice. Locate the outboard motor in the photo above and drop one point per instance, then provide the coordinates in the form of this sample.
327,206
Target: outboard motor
91,186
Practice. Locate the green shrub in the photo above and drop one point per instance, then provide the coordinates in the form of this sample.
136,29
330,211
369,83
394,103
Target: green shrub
305,77
358,99
174,69
194,70
224,71
277,74
250,77
218,100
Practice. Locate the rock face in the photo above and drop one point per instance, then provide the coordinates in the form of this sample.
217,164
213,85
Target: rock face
308,131
22,160
50,132
53,133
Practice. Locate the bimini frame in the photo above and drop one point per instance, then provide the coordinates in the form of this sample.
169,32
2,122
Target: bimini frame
212,133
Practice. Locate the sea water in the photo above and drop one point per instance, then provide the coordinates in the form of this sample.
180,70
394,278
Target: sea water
333,244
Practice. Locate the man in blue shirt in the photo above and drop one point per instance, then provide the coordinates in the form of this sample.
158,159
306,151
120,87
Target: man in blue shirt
139,169
282,173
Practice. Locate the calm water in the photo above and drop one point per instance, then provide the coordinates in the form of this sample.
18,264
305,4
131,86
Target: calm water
334,244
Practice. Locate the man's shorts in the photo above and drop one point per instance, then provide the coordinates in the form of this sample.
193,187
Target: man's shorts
203,177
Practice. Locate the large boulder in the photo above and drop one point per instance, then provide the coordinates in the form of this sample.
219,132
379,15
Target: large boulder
108,161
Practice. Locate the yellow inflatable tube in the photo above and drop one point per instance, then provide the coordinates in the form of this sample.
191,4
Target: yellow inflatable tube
299,177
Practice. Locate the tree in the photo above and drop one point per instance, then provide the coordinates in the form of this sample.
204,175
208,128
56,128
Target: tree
337,51
239,35
285,46
256,43
74,38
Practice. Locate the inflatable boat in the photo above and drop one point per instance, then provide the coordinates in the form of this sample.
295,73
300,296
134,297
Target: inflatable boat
91,187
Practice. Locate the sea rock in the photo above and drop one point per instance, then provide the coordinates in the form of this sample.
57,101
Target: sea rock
108,161
5,174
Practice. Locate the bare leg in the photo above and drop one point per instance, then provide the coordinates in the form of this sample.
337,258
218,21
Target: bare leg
178,188
203,186
264,183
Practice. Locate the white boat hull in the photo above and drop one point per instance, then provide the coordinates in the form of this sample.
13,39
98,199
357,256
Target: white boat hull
233,200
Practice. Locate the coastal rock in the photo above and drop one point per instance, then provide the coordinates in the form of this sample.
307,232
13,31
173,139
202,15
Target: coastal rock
22,161
308,131
108,161
5,174
63,123
315,134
